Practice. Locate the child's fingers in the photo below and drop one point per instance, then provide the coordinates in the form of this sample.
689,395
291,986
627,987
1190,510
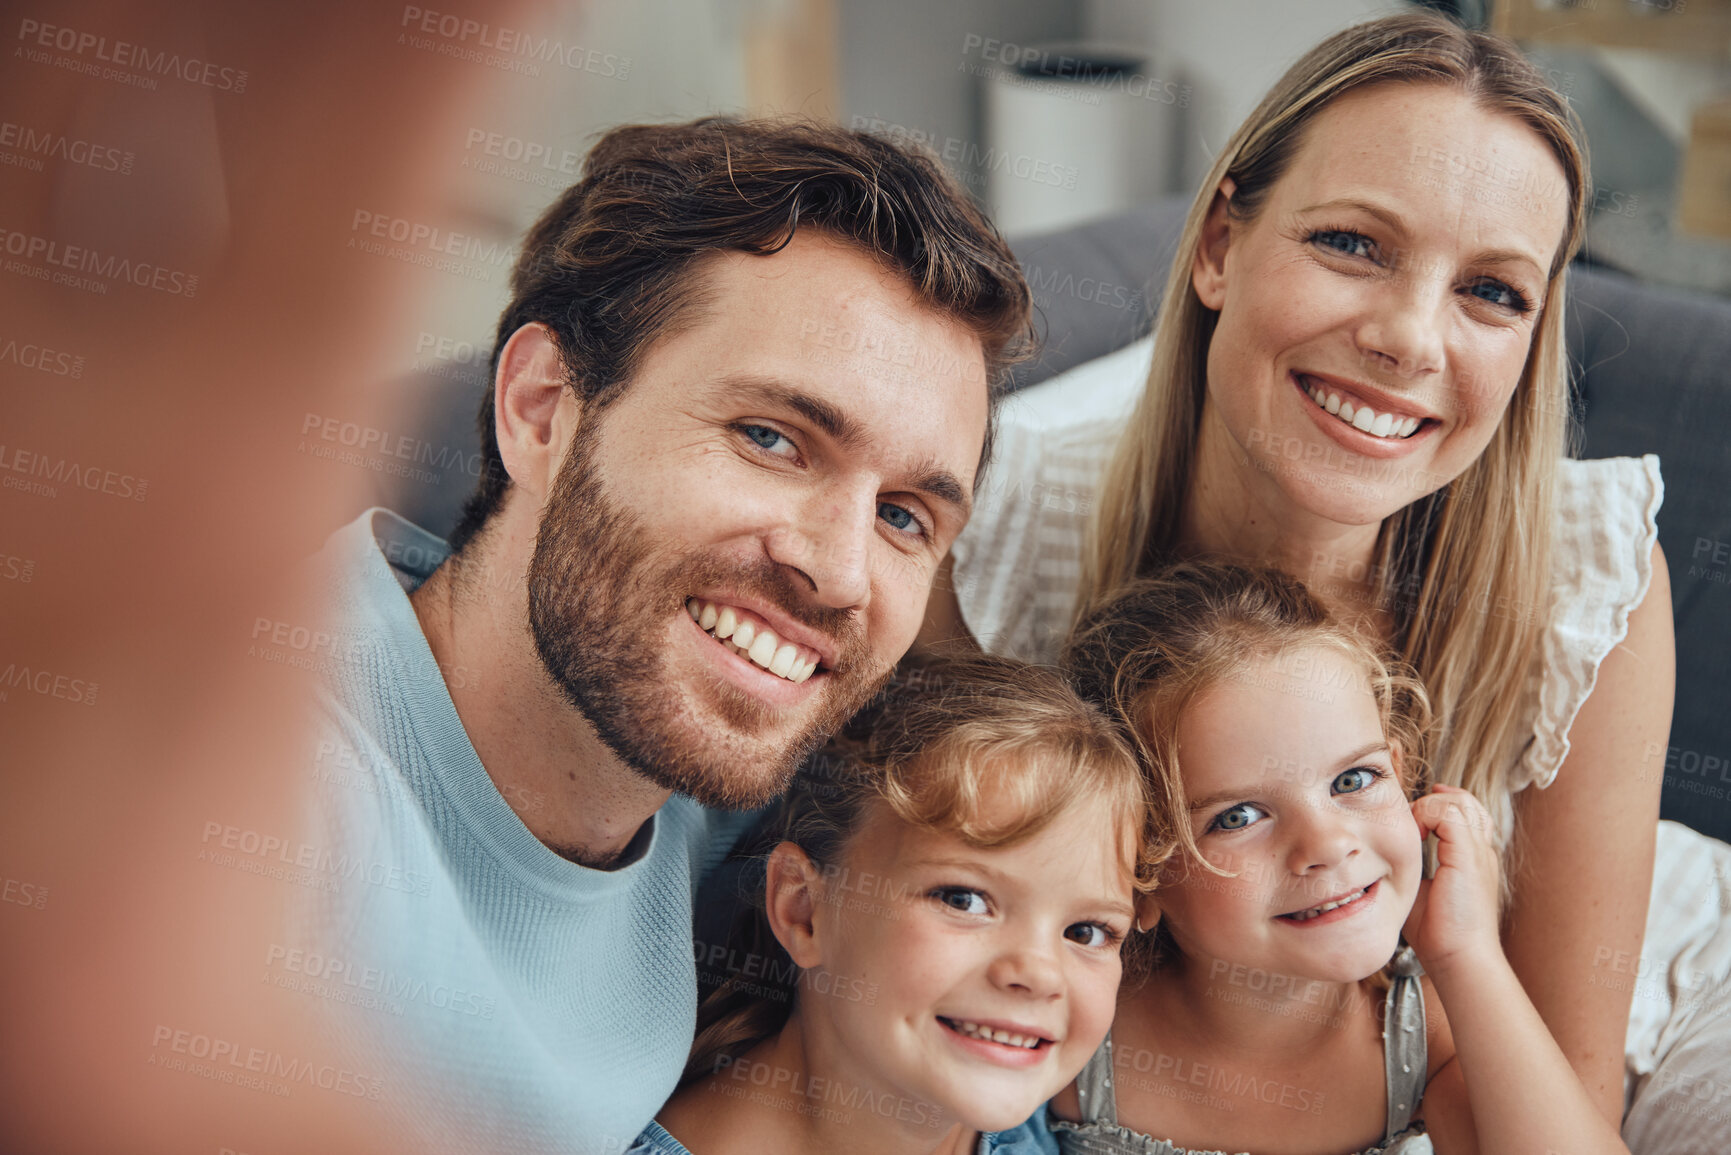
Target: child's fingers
1465,815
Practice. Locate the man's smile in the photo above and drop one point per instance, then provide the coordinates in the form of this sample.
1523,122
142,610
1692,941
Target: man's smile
748,635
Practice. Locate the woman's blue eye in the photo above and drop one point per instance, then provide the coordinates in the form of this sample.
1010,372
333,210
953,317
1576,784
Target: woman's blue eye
1236,817
961,898
1341,241
1498,293
1354,780
898,517
764,436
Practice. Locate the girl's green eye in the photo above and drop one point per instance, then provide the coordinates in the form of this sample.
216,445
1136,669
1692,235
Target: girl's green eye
1354,780
1236,817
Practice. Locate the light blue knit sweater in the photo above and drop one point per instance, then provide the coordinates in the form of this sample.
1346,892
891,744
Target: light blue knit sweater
509,999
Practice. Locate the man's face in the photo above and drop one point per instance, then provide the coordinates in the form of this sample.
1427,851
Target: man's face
793,463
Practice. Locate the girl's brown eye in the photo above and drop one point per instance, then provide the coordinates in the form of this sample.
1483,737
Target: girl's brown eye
961,898
1090,934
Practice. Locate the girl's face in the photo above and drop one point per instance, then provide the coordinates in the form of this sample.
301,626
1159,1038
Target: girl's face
1292,787
974,980
1376,316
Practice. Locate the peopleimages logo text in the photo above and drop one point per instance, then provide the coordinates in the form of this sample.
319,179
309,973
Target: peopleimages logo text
109,266
36,34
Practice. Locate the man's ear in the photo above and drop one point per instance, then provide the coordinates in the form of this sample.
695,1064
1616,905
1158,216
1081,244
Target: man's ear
534,412
792,896
1208,270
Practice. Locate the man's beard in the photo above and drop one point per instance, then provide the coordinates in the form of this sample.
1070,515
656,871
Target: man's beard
600,600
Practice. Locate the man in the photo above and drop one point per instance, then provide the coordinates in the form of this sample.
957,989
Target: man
740,404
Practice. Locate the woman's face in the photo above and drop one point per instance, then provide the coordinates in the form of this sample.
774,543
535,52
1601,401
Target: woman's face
969,984
1375,317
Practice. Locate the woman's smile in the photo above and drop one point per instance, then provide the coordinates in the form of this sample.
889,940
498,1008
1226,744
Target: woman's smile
1343,415
1355,294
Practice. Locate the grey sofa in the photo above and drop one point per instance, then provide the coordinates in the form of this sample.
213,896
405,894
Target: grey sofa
1654,376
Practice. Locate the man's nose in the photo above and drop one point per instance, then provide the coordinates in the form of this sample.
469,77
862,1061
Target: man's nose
828,539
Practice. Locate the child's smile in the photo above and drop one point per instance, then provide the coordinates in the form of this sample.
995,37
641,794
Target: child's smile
1007,1043
1355,901
1302,800
996,969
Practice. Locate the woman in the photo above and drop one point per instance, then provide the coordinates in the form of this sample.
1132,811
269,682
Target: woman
1358,376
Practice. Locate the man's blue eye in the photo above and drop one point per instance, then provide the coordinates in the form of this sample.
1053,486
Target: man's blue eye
1236,817
763,435
898,517
1354,780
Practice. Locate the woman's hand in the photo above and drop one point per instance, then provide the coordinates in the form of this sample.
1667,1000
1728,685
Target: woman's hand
1455,914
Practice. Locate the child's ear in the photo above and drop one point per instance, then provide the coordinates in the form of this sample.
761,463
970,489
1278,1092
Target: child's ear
792,894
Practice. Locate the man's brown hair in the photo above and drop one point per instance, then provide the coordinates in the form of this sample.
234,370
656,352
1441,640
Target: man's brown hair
607,267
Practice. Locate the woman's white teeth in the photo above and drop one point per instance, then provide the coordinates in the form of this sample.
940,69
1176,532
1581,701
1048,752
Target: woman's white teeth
757,645
1364,417
1009,1038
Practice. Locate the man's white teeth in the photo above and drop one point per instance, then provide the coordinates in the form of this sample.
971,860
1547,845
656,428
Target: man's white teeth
1317,911
1363,417
757,645
1009,1038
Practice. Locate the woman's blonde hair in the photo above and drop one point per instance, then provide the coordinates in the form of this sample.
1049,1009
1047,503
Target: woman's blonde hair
1465,570
1147,652
988,749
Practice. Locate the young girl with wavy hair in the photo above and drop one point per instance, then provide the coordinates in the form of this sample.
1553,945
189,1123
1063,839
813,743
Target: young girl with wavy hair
1279,1010
936,950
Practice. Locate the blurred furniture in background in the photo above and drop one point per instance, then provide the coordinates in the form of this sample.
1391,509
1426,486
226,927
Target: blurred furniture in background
1075,131
1699,27
1650,80
1704,200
